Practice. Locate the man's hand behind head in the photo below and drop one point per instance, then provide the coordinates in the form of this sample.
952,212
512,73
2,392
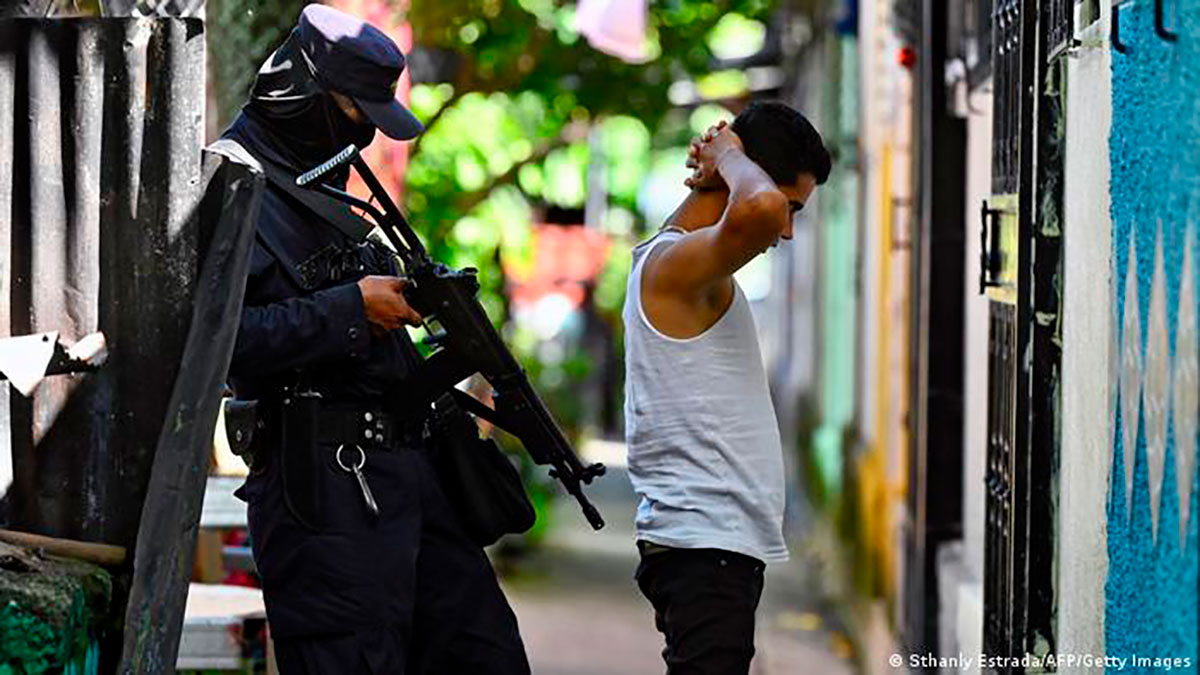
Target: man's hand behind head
384,303
705,153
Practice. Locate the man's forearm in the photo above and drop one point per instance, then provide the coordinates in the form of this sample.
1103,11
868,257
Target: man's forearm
757,210
744,178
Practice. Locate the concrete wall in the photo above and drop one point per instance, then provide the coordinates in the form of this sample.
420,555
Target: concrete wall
975,328
960,563
1151,588
1087,338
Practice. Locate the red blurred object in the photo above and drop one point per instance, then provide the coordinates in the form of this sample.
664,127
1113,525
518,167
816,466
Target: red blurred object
239,537
906,56
565,257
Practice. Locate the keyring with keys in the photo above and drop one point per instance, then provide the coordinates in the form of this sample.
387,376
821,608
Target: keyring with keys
356,469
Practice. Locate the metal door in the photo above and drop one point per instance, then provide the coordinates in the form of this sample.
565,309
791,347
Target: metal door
1021,239
1004,228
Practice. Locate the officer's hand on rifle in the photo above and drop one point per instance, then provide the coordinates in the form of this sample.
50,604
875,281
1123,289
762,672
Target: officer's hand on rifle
383,300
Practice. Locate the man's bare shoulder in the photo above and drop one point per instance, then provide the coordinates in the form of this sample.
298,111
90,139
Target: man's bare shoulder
672,304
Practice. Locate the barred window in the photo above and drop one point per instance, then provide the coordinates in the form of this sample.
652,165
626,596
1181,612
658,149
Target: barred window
1060,34
1006,23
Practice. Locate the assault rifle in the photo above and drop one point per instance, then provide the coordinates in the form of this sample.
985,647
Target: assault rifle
467,342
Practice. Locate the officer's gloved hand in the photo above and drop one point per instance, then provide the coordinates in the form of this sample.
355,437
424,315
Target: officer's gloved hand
383,300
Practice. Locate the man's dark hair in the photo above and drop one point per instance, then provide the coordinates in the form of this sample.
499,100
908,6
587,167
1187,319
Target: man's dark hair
782,141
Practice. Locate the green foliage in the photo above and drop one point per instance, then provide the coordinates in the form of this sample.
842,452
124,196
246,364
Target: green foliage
610,287
625,143
736,36
527,89
241,35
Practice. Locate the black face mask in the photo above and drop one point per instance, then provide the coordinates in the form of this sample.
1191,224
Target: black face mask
344,130
302,125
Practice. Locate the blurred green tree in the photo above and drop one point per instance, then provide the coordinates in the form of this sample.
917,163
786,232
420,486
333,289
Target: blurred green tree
524,92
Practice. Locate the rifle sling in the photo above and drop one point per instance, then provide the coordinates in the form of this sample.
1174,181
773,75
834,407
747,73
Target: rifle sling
327,208
477,408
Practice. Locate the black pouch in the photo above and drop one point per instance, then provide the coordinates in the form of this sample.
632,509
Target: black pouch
480,482
300,464
241,421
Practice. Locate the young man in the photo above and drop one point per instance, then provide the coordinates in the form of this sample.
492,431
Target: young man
704,450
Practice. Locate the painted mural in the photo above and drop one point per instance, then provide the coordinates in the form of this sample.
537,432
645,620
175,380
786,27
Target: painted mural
1153,517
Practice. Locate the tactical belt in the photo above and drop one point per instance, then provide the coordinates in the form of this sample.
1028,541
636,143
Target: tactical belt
370,429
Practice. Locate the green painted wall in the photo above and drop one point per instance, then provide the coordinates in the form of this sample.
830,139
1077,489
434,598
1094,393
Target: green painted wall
838,299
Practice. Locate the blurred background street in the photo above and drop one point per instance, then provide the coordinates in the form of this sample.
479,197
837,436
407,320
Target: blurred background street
981,343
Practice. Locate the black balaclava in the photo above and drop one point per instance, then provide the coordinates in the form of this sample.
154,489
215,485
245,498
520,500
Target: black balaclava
302,123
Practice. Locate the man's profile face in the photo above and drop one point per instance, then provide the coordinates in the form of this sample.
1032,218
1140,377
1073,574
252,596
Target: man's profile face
798,194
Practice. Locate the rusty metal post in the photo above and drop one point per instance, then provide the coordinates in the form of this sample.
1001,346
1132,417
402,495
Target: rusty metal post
166,539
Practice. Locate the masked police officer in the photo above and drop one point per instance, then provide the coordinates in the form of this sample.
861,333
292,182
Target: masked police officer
364,567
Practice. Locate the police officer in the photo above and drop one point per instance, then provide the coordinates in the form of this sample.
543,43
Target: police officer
364,567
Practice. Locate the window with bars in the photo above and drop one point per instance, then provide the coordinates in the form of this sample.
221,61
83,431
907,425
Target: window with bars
1006,66
1060,30
1003,586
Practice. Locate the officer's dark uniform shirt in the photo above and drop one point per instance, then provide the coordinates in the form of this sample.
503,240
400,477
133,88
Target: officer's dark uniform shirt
303,309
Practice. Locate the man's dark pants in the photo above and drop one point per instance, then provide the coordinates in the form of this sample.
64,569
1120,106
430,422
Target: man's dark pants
405,593
704,602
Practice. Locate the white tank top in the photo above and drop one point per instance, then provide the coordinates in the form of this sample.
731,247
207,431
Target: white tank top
704,451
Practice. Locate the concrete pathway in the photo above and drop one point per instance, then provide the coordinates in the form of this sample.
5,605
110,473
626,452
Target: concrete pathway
581,613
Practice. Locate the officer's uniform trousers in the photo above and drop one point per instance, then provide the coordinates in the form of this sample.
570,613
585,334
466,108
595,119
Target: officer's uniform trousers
405,592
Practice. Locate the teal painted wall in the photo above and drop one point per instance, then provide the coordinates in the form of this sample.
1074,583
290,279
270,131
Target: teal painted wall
839,257
1151,590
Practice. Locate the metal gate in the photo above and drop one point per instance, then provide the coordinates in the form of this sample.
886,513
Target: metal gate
1021,240
1004,276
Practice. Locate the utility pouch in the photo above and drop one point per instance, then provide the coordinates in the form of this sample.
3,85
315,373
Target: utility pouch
241,423
299,460
480,482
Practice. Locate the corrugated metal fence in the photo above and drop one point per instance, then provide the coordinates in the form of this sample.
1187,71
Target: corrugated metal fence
102,228
99,181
